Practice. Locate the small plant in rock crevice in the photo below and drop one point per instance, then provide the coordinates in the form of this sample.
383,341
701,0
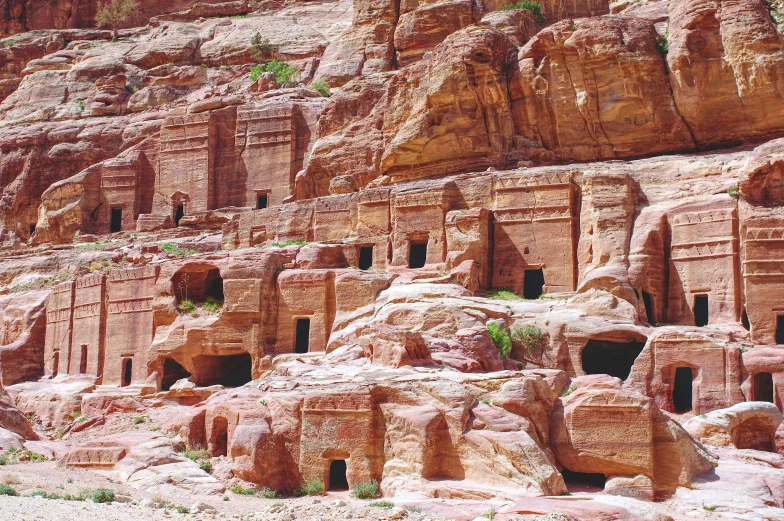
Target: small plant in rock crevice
662,43
322,87
500,338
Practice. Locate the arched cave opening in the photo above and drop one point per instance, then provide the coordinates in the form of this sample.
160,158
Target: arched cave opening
583,480
533,284
219,437
611,358
762,385
227,370
701,310
172,371
337,475
198,283
417,254
682,389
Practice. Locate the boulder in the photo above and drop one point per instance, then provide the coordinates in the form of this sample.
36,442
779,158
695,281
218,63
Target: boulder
748,425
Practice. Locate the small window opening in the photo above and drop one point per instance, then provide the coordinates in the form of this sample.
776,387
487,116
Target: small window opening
763,387
417,255
701,310
116,224
337,475
648,302
83,360
780,329
261,202
302,342
533,284
127,372
682,389
179,214
366,257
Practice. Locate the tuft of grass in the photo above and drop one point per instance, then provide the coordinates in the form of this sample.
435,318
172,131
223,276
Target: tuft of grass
183,510
382,504
503,294
196,453
366,490
322,87
103,495
535,9
289,243
173,249
500,338
139,419
6,490
734,192
267,493
311,487
529,337
206,466
242,491
186,306
212,305
491,514
45,495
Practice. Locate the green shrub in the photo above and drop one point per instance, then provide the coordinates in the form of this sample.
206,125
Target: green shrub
196,453
366,490
415,510
182,510
103,495
6,490
503,294
268,493
285,75
9,43
529,337
500,338
662,43
242,491
311,487
260,48
321,86
211,305
256,71
186,306
173,249
206,466
138,419
45,495
535,9
734,192
382,504
289,243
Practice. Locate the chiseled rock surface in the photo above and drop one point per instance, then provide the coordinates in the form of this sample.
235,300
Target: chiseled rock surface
748,425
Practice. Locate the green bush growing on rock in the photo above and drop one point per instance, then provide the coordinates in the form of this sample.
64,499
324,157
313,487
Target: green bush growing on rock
529,337
322,87
501,339
535,9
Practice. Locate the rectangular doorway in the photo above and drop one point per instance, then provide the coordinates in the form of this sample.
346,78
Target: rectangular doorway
701,310
116,224
366,257
417,255
261,201
302,340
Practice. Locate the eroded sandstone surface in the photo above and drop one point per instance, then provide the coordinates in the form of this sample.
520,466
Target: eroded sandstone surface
486,260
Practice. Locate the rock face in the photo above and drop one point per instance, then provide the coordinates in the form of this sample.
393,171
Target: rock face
464,249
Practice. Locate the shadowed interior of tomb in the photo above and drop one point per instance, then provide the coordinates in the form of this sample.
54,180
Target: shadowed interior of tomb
780,329
179,214
337,475
682,389
762,387
365,257
646,299
261,202
701,310
127,373
612,358
533,284
198,284
302,341
228,371
744,320
116,223
172,371
583,479
219,437
417,255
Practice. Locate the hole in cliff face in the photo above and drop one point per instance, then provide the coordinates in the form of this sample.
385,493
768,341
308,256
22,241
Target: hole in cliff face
701,310
228,370
780,329
682,389
533,284
172,371
178,214
583,480
219,439
116,220
198,284
366,257
337,475
261,202
648,302
417,255
32,229
127,372
302,340
762,387
612,358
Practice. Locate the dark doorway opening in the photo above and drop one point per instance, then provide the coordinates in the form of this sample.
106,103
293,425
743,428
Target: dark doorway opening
744,319
682,389
127,372
763,387
32,229
172,371
179,214
583,478
55,364
646,300
366,257
116,224
612,358
220,437
215,287
780,329
533,284
417,255
261,202
228,371
83,360
302,340
337,475
701,310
